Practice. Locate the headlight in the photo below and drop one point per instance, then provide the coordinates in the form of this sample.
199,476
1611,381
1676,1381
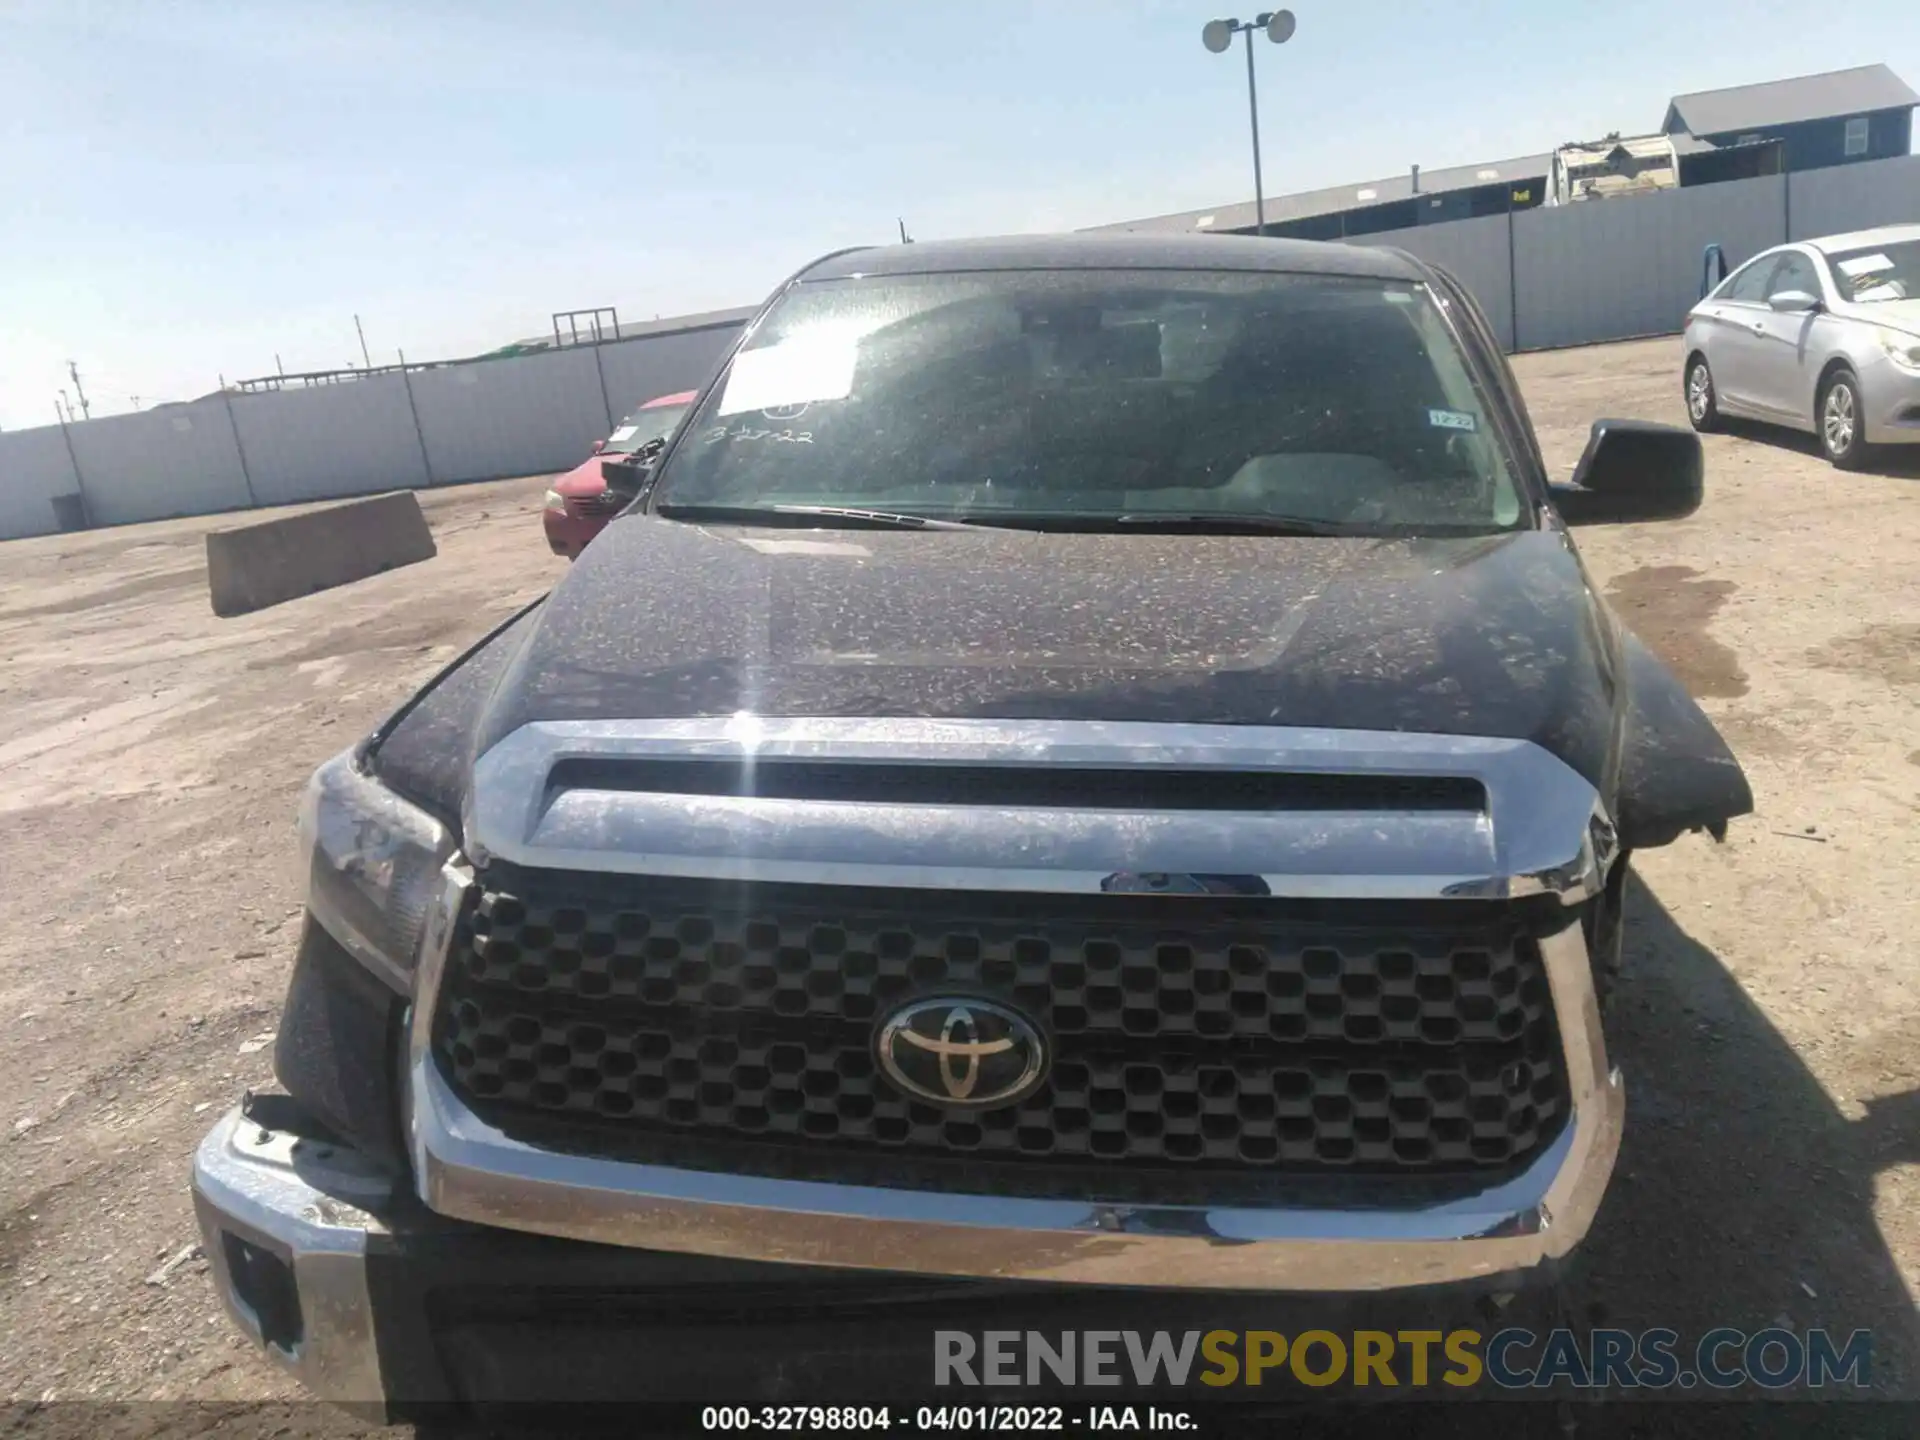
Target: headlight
556,501
375,872
1903,349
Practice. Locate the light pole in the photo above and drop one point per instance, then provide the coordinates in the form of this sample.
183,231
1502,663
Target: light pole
1217,36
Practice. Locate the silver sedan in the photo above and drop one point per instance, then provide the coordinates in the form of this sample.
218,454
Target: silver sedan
1822,335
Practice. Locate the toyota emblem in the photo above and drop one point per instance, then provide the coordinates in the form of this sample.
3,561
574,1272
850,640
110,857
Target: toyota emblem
962,1052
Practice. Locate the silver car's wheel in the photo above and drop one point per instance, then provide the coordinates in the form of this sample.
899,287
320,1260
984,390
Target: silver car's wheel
1840,423
1702,408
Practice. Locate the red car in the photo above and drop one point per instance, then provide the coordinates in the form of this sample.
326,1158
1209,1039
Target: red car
579,504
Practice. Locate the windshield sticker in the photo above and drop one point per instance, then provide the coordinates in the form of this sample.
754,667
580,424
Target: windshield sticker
1864,265
1397,297
798,372
625,432
1451,420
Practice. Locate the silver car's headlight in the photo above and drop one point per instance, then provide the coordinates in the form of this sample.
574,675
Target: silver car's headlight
375,867
1903,349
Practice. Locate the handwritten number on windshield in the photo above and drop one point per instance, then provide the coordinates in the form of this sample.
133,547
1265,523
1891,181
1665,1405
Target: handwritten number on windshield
784,437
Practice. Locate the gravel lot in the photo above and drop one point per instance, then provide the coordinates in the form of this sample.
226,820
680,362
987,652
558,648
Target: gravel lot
1769,1025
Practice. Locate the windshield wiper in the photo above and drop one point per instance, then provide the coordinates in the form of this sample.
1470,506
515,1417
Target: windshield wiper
874,517
773,514
898,520
1244,524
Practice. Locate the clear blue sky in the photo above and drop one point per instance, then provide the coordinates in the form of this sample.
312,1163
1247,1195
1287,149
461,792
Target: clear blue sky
188,188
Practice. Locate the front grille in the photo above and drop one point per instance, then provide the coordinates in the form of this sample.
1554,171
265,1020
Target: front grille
1242,1033
607,502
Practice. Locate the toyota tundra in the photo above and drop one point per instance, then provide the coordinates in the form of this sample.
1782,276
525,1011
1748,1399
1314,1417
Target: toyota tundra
1092,763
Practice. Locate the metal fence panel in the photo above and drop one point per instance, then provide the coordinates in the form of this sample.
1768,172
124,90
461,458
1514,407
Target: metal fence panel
641,370
1569,275
522,416
329,441
34,467
1610,269
1856,197
176,460
1476,252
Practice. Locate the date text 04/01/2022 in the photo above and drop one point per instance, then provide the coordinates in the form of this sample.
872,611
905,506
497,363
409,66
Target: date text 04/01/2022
933,1418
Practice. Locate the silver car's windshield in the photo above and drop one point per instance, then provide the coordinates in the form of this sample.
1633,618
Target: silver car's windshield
1878,272
1088,398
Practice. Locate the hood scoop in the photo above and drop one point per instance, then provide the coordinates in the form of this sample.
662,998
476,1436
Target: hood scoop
1019,786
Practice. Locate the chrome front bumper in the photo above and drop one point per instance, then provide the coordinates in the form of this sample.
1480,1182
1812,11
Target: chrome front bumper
307,1212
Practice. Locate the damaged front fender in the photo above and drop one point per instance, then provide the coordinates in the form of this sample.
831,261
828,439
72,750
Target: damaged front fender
425,749
1676,772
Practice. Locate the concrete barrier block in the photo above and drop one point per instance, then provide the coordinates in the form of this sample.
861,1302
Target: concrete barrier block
254,566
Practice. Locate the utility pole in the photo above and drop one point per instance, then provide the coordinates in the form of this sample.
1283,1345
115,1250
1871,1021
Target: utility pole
67,412
86,410
364,356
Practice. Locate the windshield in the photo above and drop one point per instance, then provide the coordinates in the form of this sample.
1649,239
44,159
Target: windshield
1072,398
642,427
1878,272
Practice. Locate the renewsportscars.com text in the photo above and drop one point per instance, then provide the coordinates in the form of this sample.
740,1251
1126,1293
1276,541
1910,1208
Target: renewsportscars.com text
1722,1359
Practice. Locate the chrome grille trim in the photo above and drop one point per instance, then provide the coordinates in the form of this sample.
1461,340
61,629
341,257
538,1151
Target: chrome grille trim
467,1169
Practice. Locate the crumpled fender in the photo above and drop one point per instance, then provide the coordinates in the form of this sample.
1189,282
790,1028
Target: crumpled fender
1676,773
425,749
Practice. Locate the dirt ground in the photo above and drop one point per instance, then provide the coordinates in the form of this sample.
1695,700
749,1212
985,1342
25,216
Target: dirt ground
1769,1024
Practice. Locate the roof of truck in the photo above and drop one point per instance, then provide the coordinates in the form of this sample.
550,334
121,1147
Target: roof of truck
1115,252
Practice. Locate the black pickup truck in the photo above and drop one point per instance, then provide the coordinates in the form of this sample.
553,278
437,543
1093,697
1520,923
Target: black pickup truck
1094,763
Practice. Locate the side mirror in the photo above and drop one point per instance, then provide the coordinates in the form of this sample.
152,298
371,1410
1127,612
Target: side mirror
1633,470
598,446
623,472
629,472
1793,302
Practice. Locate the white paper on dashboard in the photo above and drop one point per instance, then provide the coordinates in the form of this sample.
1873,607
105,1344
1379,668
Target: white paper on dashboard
798,372
1864,265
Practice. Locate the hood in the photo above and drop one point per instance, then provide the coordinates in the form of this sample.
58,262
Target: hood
584,479
1895,314
660,619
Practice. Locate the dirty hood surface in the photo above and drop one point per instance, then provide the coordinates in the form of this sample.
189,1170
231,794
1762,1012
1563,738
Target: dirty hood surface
1487,635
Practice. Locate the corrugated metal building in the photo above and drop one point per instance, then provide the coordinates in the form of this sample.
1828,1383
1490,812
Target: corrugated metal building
1415,198
1834,118
1808,122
